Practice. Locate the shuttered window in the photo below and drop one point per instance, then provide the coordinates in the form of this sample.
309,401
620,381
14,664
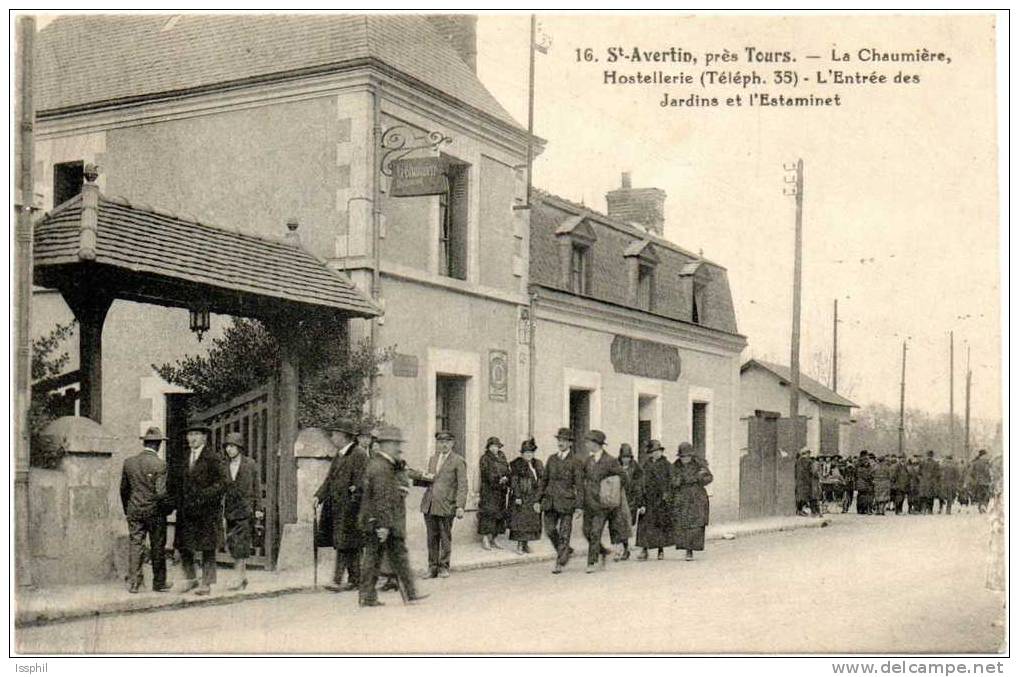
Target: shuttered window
453,214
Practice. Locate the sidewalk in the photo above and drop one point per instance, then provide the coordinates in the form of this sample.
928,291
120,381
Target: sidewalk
51,605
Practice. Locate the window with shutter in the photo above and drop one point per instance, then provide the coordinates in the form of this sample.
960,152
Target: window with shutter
453,222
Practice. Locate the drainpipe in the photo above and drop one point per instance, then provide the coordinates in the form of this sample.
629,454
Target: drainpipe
376,224
532,326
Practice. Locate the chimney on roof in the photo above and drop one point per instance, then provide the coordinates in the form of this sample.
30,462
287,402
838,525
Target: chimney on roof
460,31
292,237
644,207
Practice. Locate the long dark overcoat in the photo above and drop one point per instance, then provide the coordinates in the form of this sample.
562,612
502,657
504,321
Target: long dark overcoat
492,468
882,483
347,489
803,475
951,480
655,527
382,503
525,486
929,477
633,486
690,507
200,512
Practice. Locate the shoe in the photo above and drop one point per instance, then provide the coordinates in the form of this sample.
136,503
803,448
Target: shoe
348,587
162,587
557,569
242,584
443,573
389,585
485,545
519,549
333,587
527,549
369,602
431,573
626,555
418,597
203,590
689,557
661,554
133,588
496,545
642,557
188,585
590,569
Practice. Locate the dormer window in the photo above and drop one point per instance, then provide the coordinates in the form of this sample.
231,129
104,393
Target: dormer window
642,260
695,278
576,246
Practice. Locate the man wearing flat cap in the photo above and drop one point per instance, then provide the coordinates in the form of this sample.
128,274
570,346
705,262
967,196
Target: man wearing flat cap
382,519
562,496
200,509
143,496
599,466
341,489
444,499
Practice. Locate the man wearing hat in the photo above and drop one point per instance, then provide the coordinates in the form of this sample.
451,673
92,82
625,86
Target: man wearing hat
562,495
599,465
930,475
948,485
199,511
445,497
240,504
143,497
981,480
494,470
341,489
382,519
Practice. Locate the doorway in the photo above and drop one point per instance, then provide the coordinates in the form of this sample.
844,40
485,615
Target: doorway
645,423
580,418
451,408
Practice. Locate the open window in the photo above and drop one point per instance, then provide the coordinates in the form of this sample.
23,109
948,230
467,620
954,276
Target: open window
68,178
453,221
642,260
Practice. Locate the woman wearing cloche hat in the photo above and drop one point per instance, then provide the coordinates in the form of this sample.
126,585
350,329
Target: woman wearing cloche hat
494,471
526,476
690,475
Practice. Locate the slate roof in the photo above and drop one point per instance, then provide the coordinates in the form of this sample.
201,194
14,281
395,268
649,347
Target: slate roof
142,239
87,60
808,385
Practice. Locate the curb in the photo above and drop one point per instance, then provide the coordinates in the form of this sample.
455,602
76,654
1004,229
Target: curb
36,619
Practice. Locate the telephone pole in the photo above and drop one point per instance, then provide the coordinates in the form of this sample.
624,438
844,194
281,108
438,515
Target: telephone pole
951,393
835,350
969,383
902,402
794,357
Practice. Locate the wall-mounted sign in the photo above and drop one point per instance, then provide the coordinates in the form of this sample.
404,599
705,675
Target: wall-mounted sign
405,366
415,177
645,358
498,375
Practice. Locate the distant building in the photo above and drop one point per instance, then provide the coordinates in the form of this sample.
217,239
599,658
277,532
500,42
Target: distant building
765,387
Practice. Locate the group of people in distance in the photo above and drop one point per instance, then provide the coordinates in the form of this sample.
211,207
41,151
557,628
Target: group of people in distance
661,503
880,484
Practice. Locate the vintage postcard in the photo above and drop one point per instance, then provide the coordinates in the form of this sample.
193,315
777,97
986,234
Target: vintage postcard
481,333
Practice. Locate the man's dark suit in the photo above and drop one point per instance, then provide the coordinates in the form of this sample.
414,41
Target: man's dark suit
143,496
562,494
346,490
595,514
200,511
382,506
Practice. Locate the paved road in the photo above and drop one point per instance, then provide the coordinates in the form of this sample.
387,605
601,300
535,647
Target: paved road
867,584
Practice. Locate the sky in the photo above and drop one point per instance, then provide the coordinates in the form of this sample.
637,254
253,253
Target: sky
900,214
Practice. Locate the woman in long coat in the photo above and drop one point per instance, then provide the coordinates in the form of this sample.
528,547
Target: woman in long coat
654,530
239,505
882,485
690,508
526,473
632,481
494,470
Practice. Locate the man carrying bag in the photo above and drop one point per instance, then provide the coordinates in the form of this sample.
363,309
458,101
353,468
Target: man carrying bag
602,496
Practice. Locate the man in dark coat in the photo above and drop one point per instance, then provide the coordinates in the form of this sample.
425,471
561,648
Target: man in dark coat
200,509
493,469
848,483
949,482
864,484
654,530
913,470
900,483
143,497
342,489
562,493
240,506
981,480
382,518
804,474
444,499
928,489
600,465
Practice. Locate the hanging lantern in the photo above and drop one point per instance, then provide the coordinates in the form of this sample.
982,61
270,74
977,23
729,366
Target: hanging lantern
199,321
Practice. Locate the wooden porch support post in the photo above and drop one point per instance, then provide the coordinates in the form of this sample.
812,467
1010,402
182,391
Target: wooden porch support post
90,312
287,393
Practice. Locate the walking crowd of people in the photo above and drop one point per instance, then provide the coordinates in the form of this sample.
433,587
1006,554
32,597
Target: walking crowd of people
360,505
895,483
